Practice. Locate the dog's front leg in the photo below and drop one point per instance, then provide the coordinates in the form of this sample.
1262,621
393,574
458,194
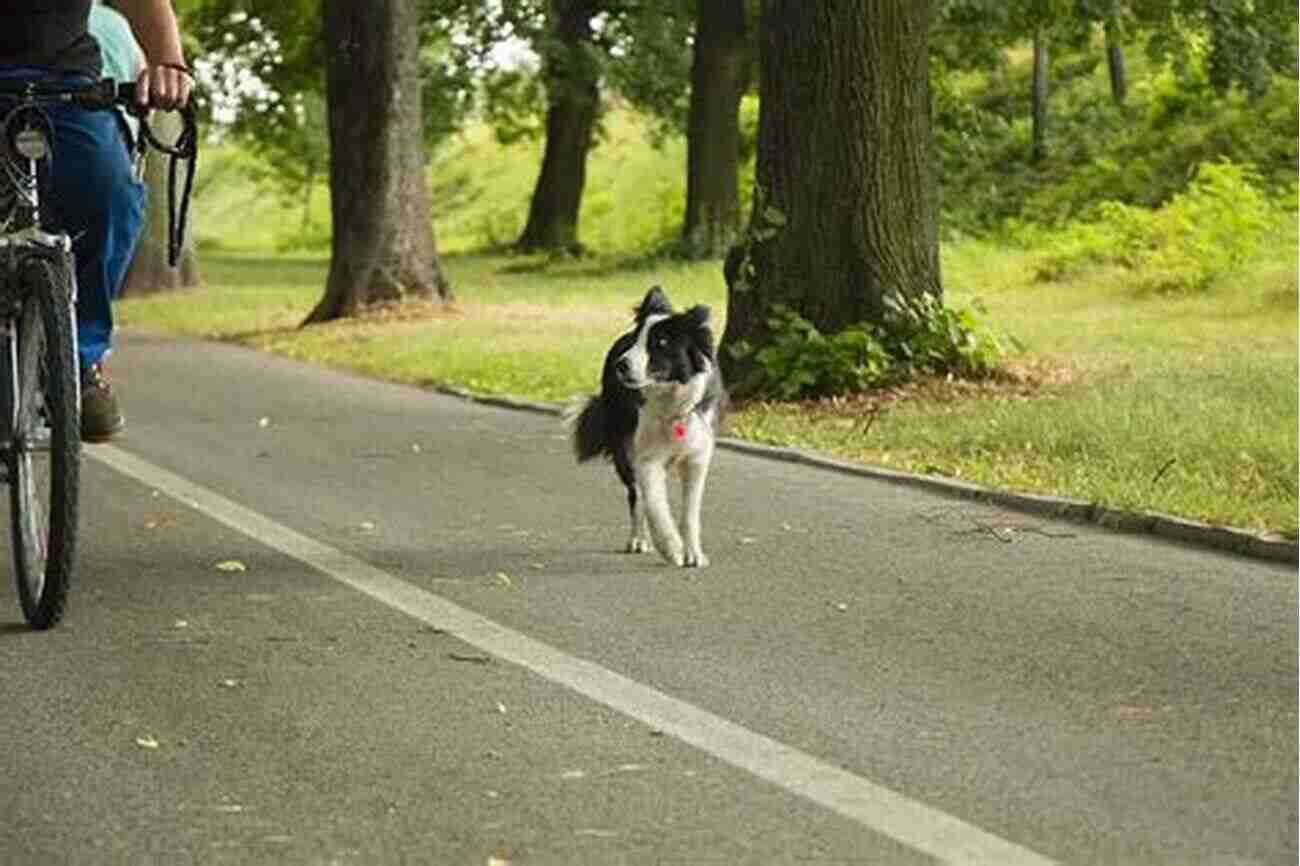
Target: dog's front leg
639,539
652,485
694,473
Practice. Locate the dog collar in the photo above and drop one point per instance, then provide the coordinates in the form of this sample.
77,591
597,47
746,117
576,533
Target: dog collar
679,422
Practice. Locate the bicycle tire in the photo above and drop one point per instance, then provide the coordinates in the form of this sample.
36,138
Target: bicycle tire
45,442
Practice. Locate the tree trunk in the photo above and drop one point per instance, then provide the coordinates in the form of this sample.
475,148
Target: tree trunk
1115,63
1038,148
150,273
718,78
383,248
573,95
844,205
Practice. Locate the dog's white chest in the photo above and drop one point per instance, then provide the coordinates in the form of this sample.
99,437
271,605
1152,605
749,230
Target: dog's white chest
670,428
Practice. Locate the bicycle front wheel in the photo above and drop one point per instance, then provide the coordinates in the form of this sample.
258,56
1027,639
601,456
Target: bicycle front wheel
45,445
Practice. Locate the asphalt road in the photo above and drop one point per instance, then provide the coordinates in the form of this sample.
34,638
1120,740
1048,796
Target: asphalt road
322,620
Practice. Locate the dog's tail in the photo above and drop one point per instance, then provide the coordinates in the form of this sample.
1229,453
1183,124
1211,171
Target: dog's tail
587,420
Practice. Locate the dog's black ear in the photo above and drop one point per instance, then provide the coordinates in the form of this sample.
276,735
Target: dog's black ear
701,337
655,303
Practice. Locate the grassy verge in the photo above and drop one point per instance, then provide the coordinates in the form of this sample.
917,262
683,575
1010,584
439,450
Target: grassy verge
1184,405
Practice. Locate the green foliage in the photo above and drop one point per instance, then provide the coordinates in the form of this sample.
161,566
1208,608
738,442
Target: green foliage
1141,154
1233,43
799,361
259,63
1212,228
927,336
919,337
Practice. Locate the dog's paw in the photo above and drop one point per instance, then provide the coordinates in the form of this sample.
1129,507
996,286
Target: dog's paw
674,556
696,559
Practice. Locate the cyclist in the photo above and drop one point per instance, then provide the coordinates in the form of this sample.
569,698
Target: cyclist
94,194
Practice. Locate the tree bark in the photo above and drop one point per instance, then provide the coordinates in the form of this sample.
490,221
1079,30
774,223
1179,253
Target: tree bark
1115,63
150,273
573,95
844,206
1038,146
383,248
718,79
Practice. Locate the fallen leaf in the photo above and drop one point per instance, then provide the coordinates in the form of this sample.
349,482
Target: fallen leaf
231,565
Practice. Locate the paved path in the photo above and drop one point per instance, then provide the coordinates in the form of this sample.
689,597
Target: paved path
430,652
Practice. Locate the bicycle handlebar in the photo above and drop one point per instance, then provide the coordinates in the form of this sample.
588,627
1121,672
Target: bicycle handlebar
107,93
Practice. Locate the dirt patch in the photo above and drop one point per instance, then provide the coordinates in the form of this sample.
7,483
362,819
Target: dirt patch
1016,380
406,311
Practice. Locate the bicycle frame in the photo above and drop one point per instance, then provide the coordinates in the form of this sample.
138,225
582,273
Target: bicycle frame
24,236
40,389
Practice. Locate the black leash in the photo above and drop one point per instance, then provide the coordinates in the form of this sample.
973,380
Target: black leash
184,149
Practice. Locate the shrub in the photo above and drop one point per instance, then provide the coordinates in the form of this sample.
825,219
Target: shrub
1207,231
923,335
919,337
800,361
1211,228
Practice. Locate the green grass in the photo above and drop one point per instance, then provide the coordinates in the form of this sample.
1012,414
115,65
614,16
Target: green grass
1125,383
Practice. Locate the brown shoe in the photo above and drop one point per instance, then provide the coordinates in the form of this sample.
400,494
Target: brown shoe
101,419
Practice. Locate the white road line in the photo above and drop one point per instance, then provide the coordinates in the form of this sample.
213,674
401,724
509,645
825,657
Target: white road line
914,824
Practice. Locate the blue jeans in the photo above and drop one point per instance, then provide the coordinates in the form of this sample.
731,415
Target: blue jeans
94,197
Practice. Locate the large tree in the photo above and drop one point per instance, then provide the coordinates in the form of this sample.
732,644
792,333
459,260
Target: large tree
719,76
383,247
844,203
572,77
641,51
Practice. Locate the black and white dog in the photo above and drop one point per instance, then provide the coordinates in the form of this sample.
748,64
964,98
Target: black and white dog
659,410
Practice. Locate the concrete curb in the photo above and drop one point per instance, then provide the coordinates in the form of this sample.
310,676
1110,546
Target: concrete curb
1238,541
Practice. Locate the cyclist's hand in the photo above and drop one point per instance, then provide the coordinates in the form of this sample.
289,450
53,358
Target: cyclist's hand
164,85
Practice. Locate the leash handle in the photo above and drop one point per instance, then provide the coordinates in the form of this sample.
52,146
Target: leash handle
184,149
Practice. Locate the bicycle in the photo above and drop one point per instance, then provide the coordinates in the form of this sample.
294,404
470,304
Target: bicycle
40,382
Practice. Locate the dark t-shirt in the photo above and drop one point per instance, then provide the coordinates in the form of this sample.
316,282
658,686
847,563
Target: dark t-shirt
48,33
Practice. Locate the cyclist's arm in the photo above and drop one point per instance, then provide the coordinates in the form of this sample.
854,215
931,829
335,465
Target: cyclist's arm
164,83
